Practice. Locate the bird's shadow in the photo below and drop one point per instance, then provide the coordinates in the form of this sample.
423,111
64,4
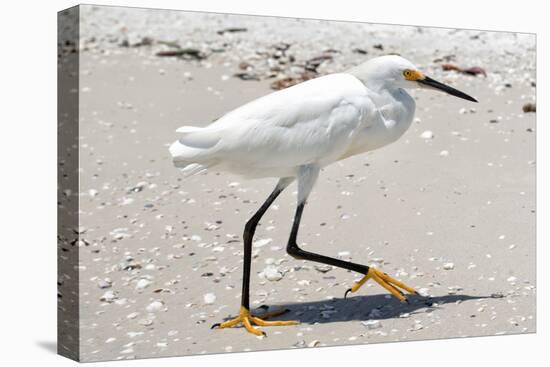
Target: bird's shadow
361,308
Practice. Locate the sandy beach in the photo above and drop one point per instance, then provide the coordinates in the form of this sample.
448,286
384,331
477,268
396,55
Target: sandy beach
449,208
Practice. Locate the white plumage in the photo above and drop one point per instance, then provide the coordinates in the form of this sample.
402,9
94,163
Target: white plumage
316,122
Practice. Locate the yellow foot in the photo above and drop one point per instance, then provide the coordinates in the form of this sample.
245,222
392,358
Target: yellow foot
392,285
247,319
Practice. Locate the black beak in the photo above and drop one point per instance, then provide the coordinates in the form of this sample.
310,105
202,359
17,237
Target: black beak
429,82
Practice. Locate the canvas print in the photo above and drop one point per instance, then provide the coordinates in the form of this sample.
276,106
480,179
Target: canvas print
233,183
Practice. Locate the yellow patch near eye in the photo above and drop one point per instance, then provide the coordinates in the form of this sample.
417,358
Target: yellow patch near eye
413,75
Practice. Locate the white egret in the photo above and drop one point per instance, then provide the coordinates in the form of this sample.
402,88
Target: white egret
292,133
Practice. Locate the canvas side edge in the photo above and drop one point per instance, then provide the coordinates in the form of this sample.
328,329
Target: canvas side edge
68,234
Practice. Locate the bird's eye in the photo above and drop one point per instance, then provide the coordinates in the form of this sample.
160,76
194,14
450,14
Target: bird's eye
407,74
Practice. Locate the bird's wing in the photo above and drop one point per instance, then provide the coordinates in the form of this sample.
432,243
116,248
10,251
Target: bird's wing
310,122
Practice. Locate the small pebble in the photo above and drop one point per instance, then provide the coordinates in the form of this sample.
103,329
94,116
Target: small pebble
453,289
154,306
314,343
104,283
272,274
372,324
529,107
142,284
108,296
209,298
322,268
427,135
424,292
448,266
145,322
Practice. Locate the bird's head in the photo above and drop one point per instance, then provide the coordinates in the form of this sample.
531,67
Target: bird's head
398,72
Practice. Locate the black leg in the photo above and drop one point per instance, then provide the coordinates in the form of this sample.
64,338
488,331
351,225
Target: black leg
390,284
248,235
244,316
296,252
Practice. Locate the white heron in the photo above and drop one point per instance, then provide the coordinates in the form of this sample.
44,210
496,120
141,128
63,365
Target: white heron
292,133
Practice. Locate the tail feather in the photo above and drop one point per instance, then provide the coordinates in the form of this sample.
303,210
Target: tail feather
198,137
188,129
191,151
193,169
